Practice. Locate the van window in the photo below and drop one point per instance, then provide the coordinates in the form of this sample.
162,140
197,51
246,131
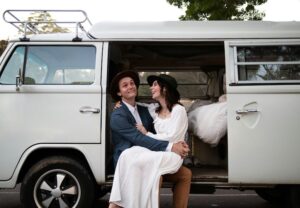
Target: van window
13,66
191,84
55,65
268,63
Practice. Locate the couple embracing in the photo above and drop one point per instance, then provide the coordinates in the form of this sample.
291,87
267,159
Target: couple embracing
148,143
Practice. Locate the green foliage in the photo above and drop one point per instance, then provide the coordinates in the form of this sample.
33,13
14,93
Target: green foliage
219,9
44,23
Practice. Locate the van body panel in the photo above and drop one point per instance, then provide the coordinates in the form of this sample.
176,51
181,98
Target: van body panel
195,30
90,152
263,147
263,125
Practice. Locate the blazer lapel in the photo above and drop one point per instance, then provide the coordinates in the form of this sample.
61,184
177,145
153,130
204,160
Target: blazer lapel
127,111
143,116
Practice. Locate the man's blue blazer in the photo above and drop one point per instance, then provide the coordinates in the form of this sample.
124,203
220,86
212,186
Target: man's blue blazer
126,135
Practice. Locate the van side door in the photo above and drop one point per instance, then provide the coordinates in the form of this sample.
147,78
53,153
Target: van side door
263,86
50,94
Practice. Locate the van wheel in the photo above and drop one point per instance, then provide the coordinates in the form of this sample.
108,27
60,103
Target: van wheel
57,182
272,195
294,197
101,191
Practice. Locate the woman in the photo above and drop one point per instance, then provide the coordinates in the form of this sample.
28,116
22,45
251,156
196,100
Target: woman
138,170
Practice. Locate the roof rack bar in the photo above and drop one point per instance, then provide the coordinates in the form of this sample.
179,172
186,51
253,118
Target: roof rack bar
17,20
23,25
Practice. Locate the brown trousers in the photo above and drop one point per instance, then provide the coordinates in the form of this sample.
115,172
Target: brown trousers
181,188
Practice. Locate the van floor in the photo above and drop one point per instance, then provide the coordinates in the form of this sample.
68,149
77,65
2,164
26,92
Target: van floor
202,174
209,174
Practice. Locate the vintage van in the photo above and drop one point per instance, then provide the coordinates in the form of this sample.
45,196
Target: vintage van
55,104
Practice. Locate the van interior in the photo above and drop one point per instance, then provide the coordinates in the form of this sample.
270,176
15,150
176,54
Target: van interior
199,68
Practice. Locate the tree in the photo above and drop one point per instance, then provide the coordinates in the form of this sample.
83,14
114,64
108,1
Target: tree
44,23
3,44
219,9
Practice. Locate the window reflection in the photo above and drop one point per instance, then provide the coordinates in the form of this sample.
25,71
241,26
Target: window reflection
265,72
51,65
13,66
191,84
281,63
268,53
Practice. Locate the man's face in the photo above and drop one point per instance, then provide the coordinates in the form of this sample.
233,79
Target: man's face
127,88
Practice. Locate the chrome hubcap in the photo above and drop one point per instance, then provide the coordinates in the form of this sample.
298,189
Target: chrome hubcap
57,189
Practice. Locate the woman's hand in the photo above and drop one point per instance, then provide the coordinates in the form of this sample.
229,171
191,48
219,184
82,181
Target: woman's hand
117,105
141,128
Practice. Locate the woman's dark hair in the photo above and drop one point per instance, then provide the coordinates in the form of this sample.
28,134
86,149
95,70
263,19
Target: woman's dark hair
171,95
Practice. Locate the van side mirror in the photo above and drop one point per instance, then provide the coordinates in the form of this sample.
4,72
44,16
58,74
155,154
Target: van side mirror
19,80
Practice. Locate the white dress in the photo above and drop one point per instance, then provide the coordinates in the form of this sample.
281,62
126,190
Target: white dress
137,174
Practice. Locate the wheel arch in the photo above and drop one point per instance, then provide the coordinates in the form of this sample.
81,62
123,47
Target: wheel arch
42,153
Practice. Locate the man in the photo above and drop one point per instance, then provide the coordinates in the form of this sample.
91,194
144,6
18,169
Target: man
125,134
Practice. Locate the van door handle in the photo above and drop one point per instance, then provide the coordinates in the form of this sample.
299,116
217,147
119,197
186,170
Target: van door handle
87,109
245,111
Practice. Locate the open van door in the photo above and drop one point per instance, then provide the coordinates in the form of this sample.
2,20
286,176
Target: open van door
50,94
263,86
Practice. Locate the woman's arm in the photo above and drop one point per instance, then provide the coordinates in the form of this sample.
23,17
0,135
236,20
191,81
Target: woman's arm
120,125
177,126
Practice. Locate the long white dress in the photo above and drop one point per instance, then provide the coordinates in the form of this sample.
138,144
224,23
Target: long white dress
137,174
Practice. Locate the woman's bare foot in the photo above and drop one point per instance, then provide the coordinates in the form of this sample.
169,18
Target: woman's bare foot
112,205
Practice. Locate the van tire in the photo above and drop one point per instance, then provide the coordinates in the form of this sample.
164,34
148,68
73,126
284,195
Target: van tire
272,195
294,197
101,191
75,185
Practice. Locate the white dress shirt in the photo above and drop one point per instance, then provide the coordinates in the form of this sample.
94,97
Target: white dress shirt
133,110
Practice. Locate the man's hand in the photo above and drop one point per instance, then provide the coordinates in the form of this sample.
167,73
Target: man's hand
181,148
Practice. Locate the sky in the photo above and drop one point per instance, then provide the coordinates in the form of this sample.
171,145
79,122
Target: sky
134,10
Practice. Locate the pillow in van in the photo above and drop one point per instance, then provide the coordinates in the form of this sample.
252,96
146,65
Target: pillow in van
209,122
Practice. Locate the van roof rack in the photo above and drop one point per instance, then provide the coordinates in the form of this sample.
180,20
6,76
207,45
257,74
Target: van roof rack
23,21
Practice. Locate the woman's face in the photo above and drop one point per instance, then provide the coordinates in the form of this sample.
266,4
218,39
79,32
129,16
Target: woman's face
156,90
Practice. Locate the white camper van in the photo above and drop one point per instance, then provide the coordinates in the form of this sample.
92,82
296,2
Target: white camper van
55,104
